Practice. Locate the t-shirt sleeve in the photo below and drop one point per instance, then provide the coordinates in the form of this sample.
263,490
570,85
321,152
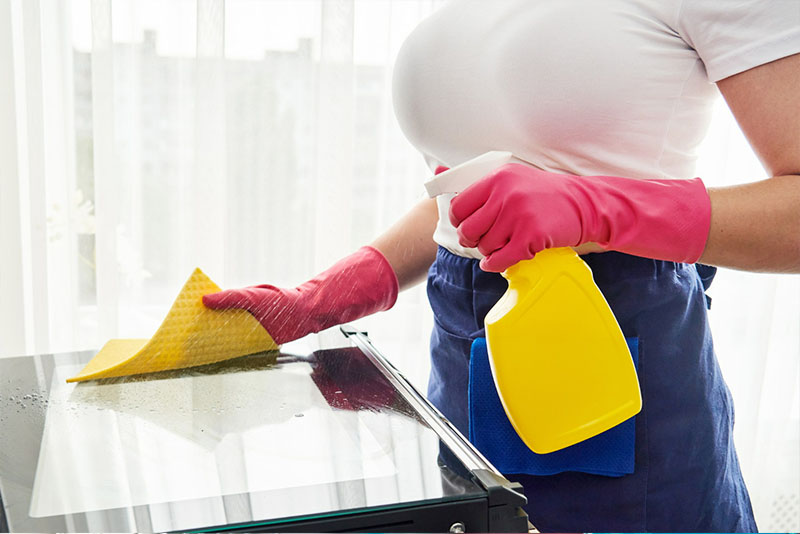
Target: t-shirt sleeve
732,36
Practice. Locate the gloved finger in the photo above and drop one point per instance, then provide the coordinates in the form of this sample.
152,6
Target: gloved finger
472,229
497,237
470,200
503,258
255,299
231,298
270,302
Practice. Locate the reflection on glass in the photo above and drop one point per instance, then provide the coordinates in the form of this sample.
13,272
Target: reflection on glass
190,436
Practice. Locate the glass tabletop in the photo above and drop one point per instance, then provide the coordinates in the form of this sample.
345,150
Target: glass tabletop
269,437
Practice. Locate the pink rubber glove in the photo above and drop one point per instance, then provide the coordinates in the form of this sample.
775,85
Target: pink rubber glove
354,287
518,210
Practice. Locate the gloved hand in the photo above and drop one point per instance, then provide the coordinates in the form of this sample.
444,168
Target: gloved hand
354,287
518,210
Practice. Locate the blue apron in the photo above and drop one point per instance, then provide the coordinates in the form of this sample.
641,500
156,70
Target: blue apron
685,473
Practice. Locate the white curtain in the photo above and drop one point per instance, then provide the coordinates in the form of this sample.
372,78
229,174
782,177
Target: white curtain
255,139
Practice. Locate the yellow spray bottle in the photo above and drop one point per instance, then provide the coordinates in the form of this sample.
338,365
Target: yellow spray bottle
560,363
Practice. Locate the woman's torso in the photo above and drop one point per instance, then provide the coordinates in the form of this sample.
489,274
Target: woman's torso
571,86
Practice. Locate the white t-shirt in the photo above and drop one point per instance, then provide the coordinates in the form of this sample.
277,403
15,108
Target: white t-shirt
587,87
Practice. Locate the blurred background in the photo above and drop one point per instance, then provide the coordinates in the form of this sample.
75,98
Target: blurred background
255,139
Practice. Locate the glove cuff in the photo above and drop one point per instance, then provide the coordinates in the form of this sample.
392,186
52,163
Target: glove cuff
386,284
661,219
358,285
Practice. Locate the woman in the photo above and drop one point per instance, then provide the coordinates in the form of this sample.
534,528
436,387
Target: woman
608,101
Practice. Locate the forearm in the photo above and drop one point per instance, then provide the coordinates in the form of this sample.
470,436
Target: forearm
756,226
408,244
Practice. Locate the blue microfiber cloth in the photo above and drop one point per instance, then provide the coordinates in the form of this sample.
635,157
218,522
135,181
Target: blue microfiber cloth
610,453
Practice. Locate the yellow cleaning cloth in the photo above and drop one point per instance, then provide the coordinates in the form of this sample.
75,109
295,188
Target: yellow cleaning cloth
190,335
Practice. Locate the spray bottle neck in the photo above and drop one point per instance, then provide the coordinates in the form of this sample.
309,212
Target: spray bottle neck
546,264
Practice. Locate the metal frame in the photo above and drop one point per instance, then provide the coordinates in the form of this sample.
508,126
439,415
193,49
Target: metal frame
506,499
472,458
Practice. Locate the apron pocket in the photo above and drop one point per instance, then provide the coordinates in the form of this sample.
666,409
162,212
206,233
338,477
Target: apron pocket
610,453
